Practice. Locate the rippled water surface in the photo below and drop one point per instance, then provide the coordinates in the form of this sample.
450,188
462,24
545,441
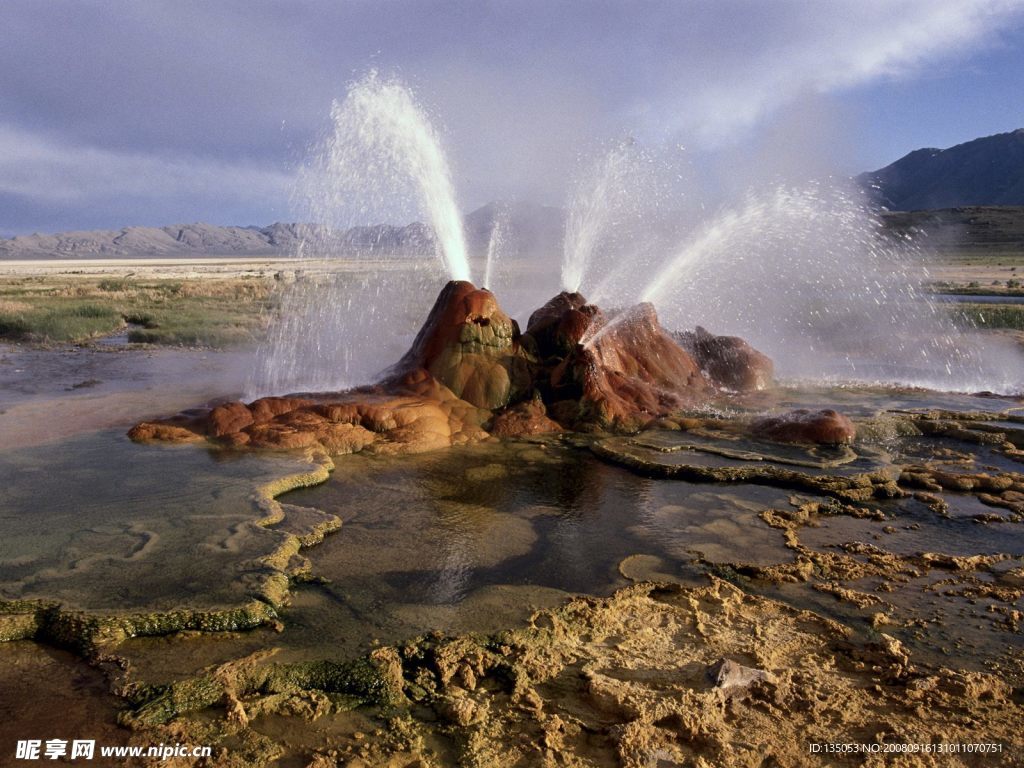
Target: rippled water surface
102,523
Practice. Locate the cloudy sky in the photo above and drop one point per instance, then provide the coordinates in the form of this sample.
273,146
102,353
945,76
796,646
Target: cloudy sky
122,113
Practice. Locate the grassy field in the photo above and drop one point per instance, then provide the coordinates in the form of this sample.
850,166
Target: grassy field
990,316
210,312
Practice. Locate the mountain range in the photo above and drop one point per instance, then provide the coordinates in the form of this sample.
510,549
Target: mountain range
527,226
966,180
983,172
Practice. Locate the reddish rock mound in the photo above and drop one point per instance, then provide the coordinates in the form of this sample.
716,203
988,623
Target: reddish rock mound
729,361
526,418
825,427
381,423
617,374
472,347
470,370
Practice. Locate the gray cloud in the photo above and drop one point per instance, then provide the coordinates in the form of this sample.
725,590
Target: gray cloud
120,112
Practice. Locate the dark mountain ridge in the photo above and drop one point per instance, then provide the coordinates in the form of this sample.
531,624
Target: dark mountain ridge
984,172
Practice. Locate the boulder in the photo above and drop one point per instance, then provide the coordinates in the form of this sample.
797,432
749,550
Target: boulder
556,328
729,361
826,427
163,432
527,418
628,372
228,418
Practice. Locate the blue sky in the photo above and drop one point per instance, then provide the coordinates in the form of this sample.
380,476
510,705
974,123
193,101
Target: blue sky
128,113
959,99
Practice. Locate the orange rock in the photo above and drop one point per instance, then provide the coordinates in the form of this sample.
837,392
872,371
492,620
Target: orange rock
558,326
527,418
341,439
149,431
629,373
729,361
826,427
267,408
228,418
472,347
279,437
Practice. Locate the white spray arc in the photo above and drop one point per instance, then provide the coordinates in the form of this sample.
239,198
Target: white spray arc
385,154
364,287
600,200
494,247
807,275
624,212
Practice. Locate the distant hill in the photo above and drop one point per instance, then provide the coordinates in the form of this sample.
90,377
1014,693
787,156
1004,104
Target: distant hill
532,226
199,240
986,171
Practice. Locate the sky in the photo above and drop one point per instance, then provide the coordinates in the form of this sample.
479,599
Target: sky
123,113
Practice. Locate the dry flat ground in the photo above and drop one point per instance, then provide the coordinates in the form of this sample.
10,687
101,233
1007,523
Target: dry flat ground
204,302
972,271
164,269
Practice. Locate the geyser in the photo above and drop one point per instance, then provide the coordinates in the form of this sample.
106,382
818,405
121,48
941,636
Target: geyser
385,154
344,321
615,220
805,274
808,275
470,371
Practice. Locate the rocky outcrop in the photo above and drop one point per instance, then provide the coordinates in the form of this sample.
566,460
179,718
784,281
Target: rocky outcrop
524,419
427,417
470,371
617,374
656,674
728,361
826,427
472,347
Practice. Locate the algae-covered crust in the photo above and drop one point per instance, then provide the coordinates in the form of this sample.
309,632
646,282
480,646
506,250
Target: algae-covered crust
88,632
657,674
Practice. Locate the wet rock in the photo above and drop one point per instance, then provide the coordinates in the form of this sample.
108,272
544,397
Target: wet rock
826,427
408,423
268,408
627,374
472,347
556,328
527,418
851,486
732,677
228,418
557,692
279,437
729,361
156,431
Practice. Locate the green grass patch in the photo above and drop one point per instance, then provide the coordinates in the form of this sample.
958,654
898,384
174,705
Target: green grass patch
214,312
197,323
990,316
63,320
997,288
